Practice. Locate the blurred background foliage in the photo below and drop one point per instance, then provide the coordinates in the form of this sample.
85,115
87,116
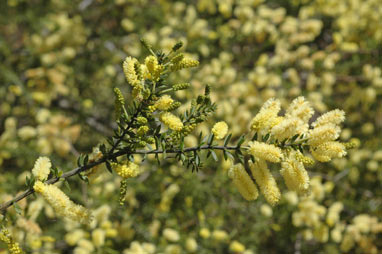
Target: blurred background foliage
60,59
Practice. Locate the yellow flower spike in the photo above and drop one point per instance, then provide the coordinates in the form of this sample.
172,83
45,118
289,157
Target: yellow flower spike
220,129
61,203
13,246
265,151
265,181
323,133
164,102
236,247
295,175
329,150
288,127
267,117
41,168
129,70
333,214
301,109
172,121
243,182
128,170
332,117
153,68
39,187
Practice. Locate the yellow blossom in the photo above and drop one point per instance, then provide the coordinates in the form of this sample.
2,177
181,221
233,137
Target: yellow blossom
205,233
172,121
266,210
128,170
13,246
129,70
220,235
267,117
332,117
236,247
191,245
171,235
98,237
288,127
61,203
243,182
295,175
265,181
300,108
164,102
326,151
334,213
220,129
265,151
323,133
41,168
154,69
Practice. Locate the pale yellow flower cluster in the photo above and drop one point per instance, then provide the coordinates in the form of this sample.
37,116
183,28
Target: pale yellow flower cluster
283,138
265,151
295,121
295,175
171,235
265,181
61,203
142,248
334,211
243,182
172,121
127,170
220,129
322,138
41,168
324,223
236,247
164,102
167,197
153,68
55,133
267,117
130,72
13,246
362,233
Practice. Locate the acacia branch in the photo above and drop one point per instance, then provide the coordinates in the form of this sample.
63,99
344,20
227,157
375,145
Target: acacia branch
115,155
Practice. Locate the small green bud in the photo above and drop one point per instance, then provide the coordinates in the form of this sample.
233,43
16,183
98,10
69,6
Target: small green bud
150,140
142,130
119,103
174,105
200,99
176,59
146,93
142,143
181,86
141,120
145,43
177,46
207,90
